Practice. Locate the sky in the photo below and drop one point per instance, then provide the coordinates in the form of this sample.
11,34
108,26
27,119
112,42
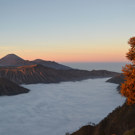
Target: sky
67,30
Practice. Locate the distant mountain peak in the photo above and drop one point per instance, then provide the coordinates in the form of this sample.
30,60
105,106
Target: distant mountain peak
11,60
11,56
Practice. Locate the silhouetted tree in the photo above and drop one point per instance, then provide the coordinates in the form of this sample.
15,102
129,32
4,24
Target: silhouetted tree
128,87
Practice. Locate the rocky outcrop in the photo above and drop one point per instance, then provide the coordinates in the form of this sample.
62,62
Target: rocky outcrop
9,88
118,122
40,74
118,79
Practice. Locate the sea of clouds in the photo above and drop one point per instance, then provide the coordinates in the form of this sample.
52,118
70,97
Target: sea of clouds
54,109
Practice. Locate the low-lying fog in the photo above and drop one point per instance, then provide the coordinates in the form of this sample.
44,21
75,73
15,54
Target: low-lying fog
54,109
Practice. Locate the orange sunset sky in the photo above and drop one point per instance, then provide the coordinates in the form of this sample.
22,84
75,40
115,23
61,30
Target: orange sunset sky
67,31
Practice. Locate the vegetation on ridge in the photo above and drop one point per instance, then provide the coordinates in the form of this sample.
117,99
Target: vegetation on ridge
128,87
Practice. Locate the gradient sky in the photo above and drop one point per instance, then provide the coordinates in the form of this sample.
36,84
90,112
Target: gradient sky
67,30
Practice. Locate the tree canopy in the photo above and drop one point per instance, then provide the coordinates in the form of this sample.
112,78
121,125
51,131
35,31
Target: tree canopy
128,87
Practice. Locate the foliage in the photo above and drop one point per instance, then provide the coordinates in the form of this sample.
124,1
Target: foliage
128,87
130,132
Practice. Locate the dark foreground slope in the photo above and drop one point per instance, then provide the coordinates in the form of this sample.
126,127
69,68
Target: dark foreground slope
118,122
9,88
40,74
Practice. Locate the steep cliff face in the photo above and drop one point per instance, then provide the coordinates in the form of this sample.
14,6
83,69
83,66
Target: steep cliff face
118,122
40,74
9,88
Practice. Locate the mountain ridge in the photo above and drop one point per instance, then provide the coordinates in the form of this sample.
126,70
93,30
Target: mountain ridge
12,60
37,73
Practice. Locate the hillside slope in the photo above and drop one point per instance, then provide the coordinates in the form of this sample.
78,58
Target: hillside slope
9,88
40,74
116,123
